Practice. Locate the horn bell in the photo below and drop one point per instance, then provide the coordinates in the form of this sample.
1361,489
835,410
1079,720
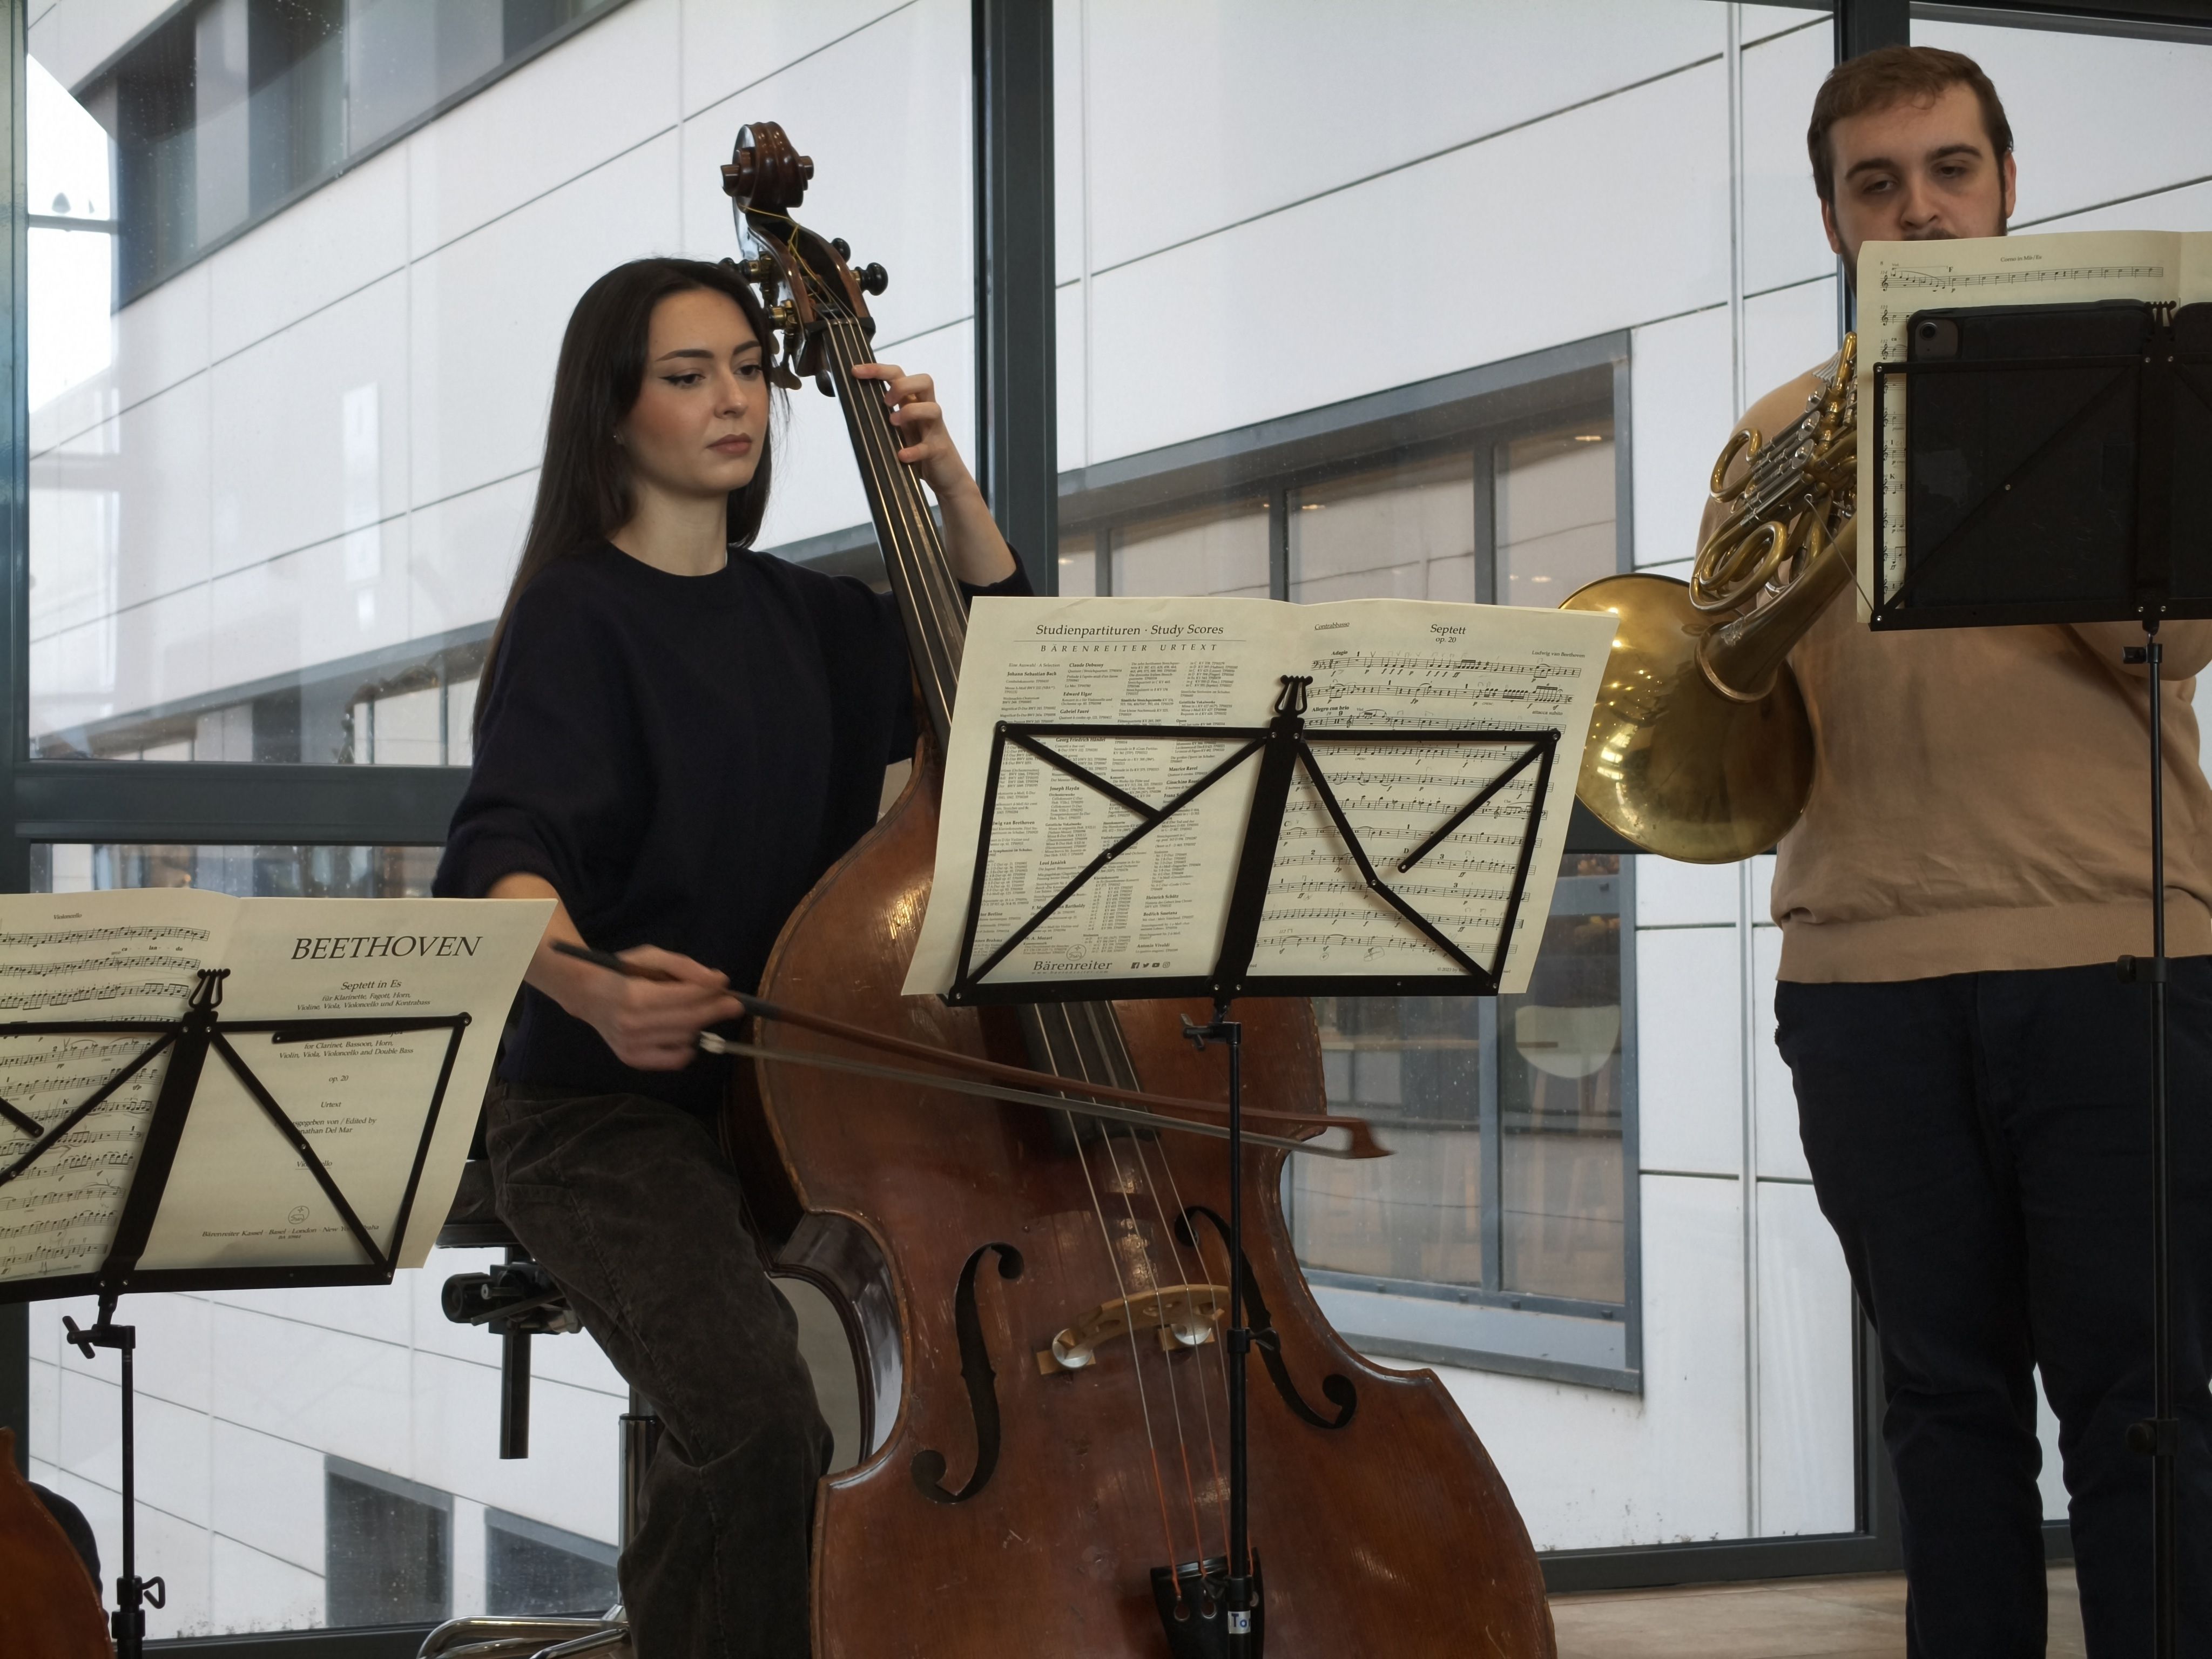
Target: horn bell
1673,764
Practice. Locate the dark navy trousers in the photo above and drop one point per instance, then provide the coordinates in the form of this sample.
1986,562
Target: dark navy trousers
1981,1144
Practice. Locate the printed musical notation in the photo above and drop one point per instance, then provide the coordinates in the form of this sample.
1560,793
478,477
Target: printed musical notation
58,1215
1948,279
1896,279
238,1193
1159,909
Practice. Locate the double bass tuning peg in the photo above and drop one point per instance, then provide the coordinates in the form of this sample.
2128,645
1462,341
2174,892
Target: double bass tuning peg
872,279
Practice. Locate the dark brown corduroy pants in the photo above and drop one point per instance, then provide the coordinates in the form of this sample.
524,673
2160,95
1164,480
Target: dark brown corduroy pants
631,1206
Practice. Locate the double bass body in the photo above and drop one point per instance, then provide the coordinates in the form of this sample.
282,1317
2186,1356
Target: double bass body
1388,1531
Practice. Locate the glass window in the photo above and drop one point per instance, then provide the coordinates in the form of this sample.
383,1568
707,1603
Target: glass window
530,1567
1533,1083
387,1547
233,106
236,332
298,273
1220,549
1405,532
1559,1099
1414,1067
319,872
1555,518
1502,1220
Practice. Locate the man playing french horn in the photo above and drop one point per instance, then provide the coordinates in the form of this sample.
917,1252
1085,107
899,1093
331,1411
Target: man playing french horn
1971,1071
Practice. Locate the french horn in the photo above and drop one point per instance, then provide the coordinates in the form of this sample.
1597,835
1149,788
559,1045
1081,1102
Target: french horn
1699,747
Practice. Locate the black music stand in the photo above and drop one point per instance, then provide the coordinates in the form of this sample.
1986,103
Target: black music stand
2057,467
1285,745
189,1041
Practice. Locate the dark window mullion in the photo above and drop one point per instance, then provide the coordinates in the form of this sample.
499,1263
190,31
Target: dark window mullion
1493,1150
1278,544
1486,522
14,638
230,804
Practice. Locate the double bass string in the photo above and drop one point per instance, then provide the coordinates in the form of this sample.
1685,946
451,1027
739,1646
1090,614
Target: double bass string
1213,1311
1136,1358
901,492
912,540
1167,1358
937,614
878,456
928,577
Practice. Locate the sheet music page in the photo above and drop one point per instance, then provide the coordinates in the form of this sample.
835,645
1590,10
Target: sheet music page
1159,910
1896,279
1418,665
238,1195
87,957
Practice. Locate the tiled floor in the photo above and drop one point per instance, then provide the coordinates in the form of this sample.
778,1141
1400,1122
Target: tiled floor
1793,1618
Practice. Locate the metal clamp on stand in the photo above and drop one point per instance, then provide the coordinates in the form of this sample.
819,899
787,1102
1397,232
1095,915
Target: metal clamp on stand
515,1301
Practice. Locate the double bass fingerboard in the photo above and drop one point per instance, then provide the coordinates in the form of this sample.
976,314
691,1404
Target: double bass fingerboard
1069,1039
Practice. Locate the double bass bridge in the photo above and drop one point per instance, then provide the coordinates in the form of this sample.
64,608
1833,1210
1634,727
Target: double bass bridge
1178,1315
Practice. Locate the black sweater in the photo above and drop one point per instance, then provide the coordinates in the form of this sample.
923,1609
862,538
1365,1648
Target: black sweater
681,758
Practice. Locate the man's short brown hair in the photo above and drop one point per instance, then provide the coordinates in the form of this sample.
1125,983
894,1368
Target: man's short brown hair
1897,74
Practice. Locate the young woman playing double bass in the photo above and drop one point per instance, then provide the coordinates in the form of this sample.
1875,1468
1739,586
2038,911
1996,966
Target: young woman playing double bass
676,737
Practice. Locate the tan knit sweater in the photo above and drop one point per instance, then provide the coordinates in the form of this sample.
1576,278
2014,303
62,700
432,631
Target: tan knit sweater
1982,795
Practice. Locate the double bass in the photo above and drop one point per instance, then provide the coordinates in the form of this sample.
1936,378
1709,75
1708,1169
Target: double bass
1034,1298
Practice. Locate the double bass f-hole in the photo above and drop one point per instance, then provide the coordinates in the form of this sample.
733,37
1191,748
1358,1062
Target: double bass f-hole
928,1467
1338,1389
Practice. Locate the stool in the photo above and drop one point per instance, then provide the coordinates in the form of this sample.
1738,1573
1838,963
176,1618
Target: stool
515,1301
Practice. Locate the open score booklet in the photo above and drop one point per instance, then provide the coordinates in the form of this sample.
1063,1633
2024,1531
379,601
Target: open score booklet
1160,909
237,1196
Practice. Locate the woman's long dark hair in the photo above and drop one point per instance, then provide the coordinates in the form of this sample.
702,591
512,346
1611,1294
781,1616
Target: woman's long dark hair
584,488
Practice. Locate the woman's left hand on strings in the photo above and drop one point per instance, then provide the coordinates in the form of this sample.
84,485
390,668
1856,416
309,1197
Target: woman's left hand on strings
978,552
926,446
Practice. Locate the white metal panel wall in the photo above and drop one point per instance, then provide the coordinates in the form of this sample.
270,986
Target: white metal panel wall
1490,259
1590,1469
